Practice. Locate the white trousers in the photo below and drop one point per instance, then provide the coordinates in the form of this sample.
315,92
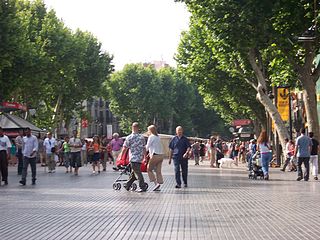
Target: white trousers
314,162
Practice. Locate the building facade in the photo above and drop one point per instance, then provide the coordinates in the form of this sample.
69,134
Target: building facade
100,121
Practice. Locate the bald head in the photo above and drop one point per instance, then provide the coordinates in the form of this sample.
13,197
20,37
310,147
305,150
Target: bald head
179,131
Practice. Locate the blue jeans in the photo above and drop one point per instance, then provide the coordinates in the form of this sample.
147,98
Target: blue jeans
265,161
184,168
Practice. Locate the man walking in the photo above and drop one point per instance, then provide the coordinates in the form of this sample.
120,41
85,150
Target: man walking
18,141
135,142
5,146
76,146
302,151
179,151
29,152
314,156
50,144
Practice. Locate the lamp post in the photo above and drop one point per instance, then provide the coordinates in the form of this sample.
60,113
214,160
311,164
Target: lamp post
290,115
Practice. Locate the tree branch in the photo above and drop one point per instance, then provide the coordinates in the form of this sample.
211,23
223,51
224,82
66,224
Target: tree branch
249,81
260,77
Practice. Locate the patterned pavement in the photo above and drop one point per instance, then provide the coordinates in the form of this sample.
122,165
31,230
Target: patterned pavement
218,204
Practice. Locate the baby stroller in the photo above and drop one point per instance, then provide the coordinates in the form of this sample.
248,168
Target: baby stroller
255,170
123,165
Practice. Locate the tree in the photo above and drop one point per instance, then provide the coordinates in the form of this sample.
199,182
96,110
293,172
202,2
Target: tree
222,90
244,33
12,46
206,121
163,97
134,95
291,21
52,68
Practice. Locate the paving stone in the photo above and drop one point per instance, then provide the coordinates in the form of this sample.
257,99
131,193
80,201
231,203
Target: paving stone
218,204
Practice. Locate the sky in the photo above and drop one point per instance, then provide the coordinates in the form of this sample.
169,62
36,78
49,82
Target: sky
134,31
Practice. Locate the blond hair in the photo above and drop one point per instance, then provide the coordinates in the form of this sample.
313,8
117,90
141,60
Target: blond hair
153,130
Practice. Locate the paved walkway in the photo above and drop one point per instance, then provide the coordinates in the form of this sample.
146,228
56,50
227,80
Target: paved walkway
218,204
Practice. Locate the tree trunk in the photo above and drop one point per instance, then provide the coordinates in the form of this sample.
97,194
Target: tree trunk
310,102
308,77
275,116
261,88
257,127
260,122
55,115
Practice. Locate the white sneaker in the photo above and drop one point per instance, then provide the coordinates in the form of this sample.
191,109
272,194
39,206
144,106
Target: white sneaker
53,171
156,187
93,172
49,171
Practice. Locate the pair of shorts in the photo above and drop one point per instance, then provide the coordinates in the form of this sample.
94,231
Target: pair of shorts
96,157
75,159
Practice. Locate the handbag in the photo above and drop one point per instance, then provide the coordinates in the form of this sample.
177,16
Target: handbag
144,165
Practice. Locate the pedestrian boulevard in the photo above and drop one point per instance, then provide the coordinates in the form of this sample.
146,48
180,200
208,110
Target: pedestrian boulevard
218,204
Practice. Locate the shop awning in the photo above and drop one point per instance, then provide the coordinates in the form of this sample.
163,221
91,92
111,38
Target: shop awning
12,124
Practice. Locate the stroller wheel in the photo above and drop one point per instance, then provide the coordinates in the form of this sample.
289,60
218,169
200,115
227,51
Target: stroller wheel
118,186
146,186
133,187
115,187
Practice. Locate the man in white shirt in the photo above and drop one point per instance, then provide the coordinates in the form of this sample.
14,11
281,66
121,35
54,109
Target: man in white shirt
5,146
76,146
29,152
50,144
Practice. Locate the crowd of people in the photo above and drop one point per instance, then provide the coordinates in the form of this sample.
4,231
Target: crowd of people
303,150
215,148
73,152
70,152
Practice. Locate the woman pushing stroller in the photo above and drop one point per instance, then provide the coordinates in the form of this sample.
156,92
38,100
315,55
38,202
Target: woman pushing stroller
266,155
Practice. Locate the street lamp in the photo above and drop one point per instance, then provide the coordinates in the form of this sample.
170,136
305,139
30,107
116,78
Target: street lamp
309,35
